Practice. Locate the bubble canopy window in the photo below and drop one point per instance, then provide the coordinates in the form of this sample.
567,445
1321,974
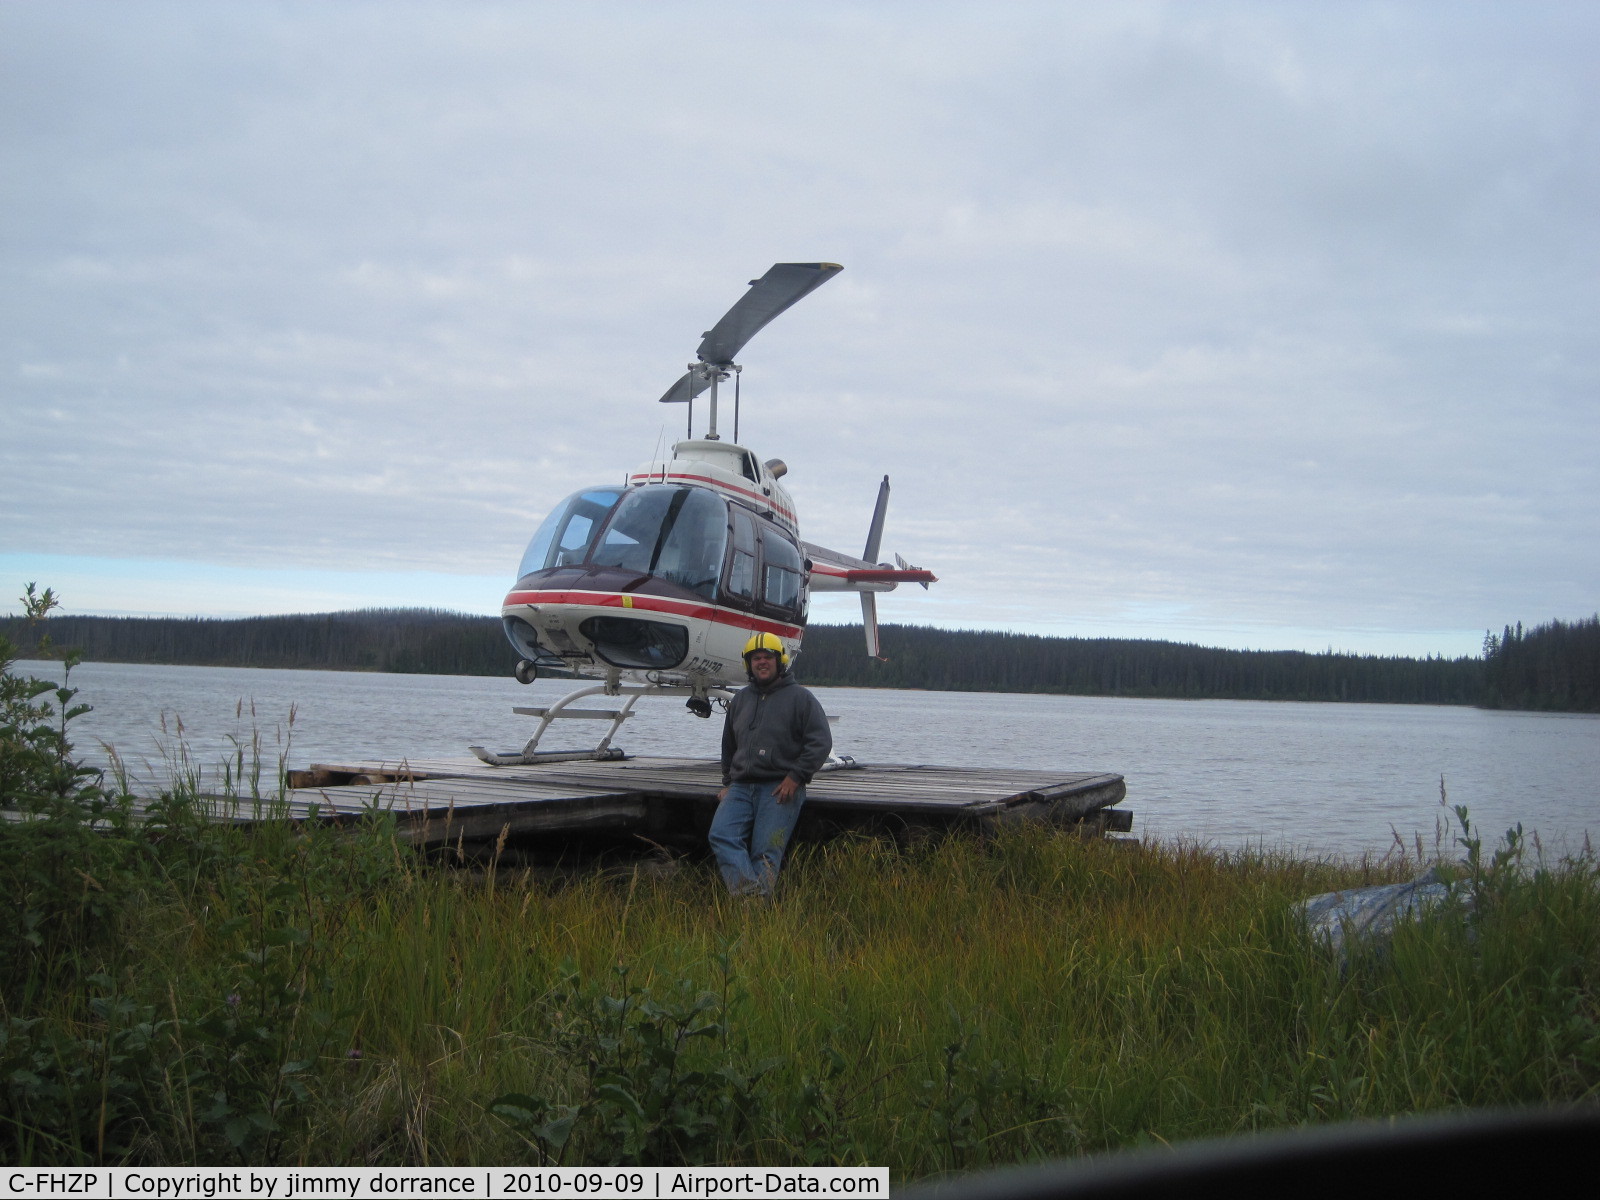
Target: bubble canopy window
674,533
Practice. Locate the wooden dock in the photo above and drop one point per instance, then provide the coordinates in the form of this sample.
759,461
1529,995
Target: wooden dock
670,801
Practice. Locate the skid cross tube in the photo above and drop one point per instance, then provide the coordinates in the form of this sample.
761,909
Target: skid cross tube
560,709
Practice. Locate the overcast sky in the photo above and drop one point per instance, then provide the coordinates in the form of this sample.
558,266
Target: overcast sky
1258,325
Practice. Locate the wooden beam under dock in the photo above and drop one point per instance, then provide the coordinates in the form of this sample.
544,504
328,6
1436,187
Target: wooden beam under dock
670,801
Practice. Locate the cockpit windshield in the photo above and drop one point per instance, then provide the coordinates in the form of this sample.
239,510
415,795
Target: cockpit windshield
673,533
563,540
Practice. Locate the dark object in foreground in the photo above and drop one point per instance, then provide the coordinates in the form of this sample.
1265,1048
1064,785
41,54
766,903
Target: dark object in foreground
1497,1153
1369,915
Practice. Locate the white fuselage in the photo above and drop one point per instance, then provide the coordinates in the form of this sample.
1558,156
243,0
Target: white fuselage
665,579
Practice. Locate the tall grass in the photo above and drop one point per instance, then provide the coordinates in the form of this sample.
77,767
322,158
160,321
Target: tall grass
298,994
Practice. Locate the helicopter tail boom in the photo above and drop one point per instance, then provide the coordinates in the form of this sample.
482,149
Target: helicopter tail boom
832,571
828,578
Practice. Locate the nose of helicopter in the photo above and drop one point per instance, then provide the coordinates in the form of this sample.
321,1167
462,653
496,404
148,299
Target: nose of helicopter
636,642
619,640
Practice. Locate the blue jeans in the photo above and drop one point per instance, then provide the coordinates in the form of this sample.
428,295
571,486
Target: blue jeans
750,833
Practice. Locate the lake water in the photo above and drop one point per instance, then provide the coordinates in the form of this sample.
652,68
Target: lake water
1324,778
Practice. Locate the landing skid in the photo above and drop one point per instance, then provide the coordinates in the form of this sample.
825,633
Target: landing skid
560,710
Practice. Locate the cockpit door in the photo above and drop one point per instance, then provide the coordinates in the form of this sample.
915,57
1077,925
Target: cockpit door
765,572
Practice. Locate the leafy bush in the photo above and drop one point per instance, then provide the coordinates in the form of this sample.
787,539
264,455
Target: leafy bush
102,1061
664,1081
64,837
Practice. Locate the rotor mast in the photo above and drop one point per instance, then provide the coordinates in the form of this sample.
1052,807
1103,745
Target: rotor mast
717,375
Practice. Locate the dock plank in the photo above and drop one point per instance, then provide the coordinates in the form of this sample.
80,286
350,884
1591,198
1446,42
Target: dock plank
445,799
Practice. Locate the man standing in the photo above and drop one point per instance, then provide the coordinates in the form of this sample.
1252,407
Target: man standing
774,740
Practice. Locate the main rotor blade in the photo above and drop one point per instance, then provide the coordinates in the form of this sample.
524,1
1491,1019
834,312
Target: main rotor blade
781,286
690,384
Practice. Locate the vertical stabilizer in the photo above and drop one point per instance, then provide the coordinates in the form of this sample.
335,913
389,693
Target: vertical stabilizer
869,622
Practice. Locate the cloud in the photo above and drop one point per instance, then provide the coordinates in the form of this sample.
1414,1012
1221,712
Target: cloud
1174,320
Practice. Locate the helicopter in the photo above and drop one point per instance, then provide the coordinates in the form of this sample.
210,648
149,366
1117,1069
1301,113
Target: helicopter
654,585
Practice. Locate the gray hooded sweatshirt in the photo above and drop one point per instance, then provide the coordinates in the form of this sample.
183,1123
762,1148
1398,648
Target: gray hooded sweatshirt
774,731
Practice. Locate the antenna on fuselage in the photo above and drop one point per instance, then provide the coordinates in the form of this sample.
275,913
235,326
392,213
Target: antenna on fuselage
780,287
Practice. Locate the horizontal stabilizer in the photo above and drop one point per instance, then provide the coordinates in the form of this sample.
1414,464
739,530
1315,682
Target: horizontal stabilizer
905,566
891,575
835,571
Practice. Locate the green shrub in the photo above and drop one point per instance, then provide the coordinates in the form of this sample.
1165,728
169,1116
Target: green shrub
101,1058
64,836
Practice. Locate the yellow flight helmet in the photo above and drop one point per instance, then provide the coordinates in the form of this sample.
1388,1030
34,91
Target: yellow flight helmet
766,641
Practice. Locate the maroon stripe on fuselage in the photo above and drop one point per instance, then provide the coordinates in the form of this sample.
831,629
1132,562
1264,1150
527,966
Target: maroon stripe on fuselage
658,604
717,484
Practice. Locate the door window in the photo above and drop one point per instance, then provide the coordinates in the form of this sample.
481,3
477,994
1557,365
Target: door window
782,571
742,558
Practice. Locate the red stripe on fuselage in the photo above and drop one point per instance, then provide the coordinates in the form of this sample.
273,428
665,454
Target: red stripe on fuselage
660,604
756,497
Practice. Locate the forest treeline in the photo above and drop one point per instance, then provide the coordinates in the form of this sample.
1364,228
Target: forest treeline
1525,666
1555,666
414,641
918,656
